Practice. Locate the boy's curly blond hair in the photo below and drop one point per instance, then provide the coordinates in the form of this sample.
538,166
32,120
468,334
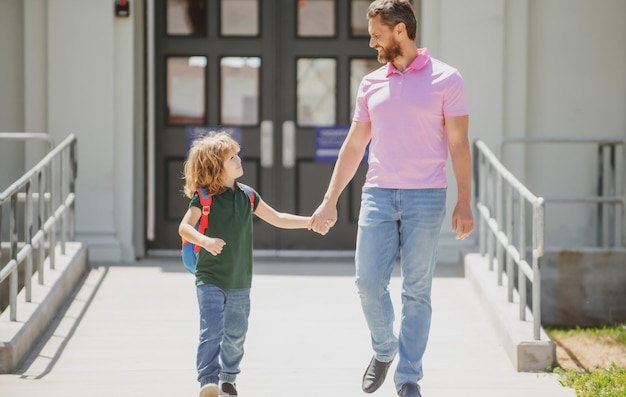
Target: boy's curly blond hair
204,166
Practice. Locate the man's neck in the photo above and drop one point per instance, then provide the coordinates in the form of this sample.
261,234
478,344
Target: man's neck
405,60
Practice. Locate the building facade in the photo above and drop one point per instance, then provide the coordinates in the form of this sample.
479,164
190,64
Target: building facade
280,75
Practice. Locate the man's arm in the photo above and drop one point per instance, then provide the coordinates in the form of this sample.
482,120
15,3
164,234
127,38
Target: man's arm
458,144
350,156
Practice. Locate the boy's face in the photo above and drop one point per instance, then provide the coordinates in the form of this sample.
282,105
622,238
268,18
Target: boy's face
232,166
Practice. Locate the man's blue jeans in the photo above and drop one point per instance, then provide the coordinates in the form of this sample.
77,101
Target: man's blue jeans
407,222
223,327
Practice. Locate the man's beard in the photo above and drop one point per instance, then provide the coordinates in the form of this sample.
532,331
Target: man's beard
389,54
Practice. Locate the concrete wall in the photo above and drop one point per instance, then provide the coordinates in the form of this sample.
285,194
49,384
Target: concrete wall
11,89
539,68
583,288
70,67
577,87
85,56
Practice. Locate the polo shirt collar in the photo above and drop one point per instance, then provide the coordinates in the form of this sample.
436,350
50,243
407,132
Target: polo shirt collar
422,59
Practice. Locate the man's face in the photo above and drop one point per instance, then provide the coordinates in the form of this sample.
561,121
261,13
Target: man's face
383,39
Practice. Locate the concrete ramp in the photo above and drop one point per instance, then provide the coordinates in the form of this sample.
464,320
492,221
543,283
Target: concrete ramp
132,330
17,338
526,353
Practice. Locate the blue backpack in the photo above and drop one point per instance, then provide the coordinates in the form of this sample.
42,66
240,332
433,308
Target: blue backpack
189,250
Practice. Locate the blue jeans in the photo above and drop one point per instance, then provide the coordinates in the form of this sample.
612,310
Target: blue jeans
392,222
223,327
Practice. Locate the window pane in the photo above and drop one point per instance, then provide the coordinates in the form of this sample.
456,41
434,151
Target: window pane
316,91
240,90
316,18
186,17
359,18
186,87
240,18
358,69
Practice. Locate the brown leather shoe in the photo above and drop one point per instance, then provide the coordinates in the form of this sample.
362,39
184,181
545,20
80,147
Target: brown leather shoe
374,375
409,390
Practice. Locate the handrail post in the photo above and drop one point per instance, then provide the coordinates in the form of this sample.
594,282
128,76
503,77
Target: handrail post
52,234
13,255
72,188
28,230
521,290
481,199
490,235
623,195
41,213
612,181
509,232
62,194
600,190
499,261
537,254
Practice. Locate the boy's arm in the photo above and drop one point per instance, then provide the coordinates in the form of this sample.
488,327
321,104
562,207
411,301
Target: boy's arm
187,230
280,219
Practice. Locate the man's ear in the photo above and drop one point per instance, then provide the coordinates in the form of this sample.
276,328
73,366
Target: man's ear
400,29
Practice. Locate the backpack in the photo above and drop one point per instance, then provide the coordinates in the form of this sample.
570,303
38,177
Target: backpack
189,250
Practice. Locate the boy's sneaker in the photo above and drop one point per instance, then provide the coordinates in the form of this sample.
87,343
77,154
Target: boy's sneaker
209,390
228,389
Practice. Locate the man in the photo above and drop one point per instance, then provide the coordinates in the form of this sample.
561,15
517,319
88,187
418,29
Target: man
411,111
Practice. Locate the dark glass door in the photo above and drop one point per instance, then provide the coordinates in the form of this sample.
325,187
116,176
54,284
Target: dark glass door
278,75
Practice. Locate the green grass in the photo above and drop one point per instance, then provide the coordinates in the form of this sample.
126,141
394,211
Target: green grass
608,382
608,334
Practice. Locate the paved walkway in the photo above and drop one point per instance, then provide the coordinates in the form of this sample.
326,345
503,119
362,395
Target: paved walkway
132,331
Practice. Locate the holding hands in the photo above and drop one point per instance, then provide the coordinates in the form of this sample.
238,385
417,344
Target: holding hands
323,218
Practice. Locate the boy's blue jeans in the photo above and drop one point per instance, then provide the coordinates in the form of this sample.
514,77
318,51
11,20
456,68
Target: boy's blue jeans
408,222
223,327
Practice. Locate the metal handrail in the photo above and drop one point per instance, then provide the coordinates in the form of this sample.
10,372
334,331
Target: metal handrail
608,200
38,218
501,201
23,136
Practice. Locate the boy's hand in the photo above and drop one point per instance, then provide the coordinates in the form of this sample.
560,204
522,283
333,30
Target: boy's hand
213,245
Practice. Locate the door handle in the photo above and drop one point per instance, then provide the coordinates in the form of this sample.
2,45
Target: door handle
289,144
267,143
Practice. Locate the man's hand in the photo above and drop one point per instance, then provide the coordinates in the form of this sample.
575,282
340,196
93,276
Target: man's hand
462,221
323,218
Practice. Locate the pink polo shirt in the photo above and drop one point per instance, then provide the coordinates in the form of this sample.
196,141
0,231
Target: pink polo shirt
409,146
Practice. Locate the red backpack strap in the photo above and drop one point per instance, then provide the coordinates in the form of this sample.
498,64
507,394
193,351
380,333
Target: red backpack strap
205,201
250,193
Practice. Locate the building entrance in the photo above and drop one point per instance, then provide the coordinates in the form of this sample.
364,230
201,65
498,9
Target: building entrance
281,76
